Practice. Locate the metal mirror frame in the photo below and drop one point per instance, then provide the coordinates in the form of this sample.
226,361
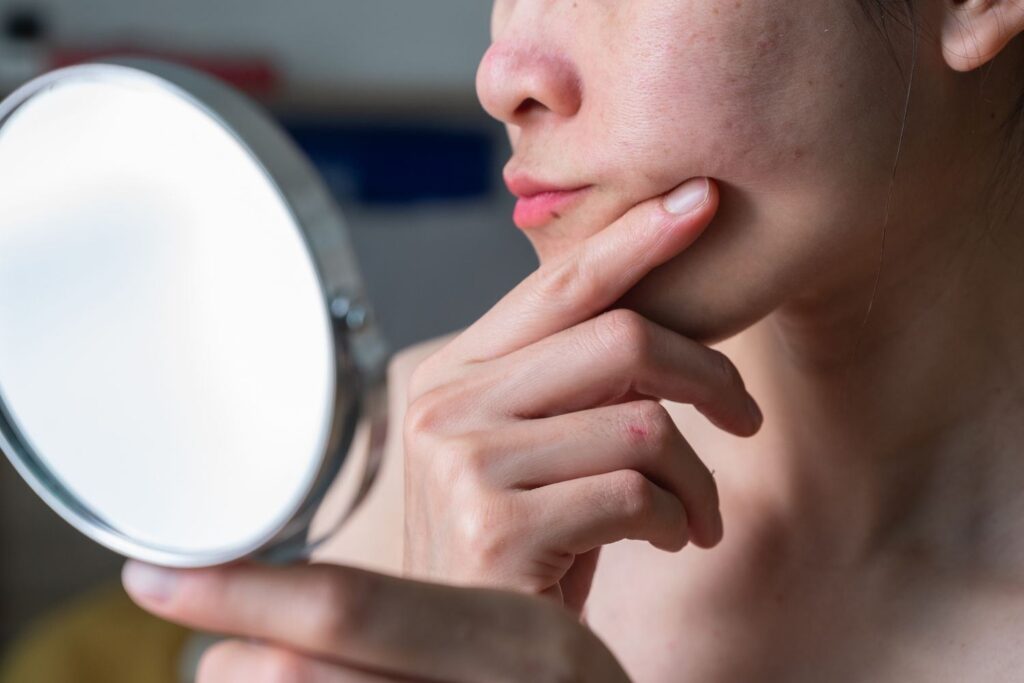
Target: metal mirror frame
360,356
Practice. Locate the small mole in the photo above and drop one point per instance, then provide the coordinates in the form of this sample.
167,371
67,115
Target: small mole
556,214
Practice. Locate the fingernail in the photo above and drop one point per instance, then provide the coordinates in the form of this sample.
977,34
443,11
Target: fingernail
687,196
154,584
755,411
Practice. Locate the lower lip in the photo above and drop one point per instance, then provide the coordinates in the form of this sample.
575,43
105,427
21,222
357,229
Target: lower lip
540,209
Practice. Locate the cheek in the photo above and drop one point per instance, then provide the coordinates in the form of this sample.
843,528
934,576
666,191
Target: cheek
761,251
740,98
794,125
761,93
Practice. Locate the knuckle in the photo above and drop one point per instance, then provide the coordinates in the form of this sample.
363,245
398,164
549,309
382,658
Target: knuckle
485,534
569,280
454,467
624,332
443,475
635,495
468,451
425,414
649,423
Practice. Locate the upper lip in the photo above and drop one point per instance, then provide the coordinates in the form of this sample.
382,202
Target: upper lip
524,186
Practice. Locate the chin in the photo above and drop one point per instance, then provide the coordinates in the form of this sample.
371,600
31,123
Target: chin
700,297
692,319
707,293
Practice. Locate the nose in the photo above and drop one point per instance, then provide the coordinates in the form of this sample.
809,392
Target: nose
517,82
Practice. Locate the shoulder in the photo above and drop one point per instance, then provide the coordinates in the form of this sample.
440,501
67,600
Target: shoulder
372,537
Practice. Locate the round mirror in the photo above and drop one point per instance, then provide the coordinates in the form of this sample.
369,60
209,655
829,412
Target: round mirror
185,351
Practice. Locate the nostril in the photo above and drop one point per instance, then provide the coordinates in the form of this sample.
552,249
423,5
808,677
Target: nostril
522,82
528,105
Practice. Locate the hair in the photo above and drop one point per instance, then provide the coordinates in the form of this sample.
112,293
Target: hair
903,14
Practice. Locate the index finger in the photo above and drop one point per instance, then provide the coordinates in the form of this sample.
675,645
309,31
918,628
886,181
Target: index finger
594,276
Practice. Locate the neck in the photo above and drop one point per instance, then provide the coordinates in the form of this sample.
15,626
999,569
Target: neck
904,433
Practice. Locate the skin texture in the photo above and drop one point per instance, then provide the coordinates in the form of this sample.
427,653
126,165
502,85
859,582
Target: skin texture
872,524
794,109
534,438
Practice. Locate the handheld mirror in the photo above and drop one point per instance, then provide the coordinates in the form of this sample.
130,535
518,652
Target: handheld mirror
185,347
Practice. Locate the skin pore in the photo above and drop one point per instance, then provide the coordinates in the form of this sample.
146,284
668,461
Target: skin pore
889,462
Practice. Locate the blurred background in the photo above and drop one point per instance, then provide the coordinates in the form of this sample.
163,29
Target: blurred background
380,94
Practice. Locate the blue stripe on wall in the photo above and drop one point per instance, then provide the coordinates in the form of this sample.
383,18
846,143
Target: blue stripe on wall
399,164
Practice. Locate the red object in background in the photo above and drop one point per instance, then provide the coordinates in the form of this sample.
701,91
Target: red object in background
254,75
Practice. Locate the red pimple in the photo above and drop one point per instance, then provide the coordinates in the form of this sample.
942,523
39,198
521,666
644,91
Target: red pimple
638,433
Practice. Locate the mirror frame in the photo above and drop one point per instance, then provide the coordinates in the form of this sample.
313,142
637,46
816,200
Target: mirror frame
360,357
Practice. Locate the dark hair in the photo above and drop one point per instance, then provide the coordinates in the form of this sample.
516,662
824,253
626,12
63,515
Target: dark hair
902,14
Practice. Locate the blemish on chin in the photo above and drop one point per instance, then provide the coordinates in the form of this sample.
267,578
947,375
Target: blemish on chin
556,214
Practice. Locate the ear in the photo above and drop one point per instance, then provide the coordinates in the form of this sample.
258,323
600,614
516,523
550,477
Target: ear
975,31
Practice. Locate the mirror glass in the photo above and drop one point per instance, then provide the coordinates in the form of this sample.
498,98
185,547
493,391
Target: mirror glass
166,354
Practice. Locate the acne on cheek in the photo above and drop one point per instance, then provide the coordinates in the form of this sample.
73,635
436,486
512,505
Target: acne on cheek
729,95
751,134
722,123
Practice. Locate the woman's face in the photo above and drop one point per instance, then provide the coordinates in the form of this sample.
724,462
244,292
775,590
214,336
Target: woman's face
793,107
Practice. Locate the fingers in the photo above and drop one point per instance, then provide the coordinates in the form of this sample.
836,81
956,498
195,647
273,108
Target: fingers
618,506
366,620
638,436
235,661
594,276
320,610
613,355
575,585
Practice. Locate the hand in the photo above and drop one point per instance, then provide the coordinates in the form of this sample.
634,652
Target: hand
327,624
535,436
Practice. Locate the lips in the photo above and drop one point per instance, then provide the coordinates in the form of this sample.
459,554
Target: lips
540,203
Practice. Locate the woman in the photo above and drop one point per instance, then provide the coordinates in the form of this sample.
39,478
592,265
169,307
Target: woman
861,278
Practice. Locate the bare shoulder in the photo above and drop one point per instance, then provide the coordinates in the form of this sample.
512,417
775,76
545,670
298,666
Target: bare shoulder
971,633
372,538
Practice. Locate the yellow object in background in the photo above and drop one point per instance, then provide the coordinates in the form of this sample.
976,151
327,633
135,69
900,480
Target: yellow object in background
102,637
